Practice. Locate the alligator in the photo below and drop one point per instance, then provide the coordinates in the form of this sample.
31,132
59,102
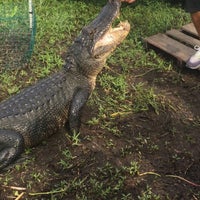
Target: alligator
54,102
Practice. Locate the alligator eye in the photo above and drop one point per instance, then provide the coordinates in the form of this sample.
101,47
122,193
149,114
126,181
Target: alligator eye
92,33
96,56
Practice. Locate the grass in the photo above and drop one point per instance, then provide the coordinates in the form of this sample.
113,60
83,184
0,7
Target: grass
107,162
55,32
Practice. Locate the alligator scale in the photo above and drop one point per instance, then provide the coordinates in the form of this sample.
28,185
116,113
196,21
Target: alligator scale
42,109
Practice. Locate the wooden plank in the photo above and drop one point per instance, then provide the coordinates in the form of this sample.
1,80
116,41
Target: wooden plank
190,29
183,38
170,46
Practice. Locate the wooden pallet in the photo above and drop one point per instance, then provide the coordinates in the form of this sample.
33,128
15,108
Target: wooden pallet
178,43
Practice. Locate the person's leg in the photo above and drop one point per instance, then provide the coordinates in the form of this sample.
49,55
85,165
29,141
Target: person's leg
196,21
193,7
194,61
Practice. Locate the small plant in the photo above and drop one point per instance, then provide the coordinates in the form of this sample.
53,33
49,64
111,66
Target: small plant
75,139
67,161
37,176
125,151
144,98
126,197
6,180
93,121
109,143
18,167
107,182
148,195
133,169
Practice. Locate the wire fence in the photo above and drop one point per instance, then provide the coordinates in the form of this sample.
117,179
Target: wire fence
17,33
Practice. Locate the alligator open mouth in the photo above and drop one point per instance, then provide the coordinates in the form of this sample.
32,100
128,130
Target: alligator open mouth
99,36
110,39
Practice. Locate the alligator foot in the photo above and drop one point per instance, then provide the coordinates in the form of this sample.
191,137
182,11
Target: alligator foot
79,99
11,146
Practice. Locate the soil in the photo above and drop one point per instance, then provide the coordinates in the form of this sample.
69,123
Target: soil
165,145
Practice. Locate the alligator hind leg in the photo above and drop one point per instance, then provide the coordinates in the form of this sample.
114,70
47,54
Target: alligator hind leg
79,99
11,146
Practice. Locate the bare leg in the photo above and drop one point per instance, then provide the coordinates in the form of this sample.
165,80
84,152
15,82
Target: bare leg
194,61
196,21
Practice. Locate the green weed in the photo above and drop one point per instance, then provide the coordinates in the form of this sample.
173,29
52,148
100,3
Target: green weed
66,163
133,169
148,195
144,98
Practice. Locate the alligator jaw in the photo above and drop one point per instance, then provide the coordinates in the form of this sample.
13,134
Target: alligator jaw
105,38
110,40
100,25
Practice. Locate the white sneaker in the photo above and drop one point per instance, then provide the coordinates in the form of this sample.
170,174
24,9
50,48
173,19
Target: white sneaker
194,61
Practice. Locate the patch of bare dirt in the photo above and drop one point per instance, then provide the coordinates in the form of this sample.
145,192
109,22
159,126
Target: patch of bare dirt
165,144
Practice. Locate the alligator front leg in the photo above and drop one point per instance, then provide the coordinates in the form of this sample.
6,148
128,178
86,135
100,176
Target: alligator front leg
11,146
79,99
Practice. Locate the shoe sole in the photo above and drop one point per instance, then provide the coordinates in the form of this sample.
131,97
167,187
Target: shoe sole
195,67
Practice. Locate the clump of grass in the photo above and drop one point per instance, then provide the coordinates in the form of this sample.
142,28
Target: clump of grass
144,98
133,169
159,17
148,195
66,162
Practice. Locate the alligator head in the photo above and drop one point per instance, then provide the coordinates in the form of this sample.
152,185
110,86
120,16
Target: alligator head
96,42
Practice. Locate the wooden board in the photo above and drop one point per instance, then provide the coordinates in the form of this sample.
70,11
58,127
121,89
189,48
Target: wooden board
189,28
178,43
183,38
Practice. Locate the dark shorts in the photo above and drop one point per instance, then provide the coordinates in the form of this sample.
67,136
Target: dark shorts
192,6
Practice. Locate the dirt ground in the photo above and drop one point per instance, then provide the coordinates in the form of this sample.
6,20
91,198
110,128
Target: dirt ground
165,144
